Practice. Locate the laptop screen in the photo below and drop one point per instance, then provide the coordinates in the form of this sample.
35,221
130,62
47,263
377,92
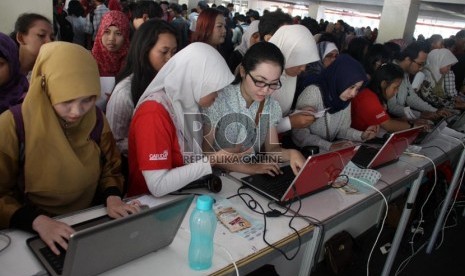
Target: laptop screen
104,246
319,172
397,143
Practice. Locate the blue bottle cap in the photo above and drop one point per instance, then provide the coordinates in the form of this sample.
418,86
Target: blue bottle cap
204,202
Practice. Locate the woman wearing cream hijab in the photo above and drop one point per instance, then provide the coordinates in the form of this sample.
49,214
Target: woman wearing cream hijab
299,48
63,168
165,136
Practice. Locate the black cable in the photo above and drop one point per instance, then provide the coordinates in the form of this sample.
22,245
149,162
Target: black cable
443,151
252,204
7,239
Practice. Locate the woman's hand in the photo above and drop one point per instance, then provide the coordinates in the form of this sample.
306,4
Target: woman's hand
117,208
272,169
52,231
296,160
301,120
370,132
340,145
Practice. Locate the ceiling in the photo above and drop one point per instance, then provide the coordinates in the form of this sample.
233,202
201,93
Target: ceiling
453,10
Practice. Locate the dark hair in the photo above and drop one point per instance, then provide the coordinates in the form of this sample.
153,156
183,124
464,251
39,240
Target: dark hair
25,21
393,50
258,53
205,25
376,53
388,72
75,8
358,47
448,43
151,8
271,21
137,60
411,51
311,24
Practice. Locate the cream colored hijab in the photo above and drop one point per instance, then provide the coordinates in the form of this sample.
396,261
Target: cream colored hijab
62,166
194,72
439,58
298,47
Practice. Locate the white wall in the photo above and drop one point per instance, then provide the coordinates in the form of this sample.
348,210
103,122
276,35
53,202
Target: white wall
11,9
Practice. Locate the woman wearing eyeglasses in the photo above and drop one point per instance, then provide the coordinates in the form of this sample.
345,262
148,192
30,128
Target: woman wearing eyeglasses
246,115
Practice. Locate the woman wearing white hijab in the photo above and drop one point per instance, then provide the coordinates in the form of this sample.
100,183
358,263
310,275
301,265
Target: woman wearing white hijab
165,139
433,88
299,48
249,38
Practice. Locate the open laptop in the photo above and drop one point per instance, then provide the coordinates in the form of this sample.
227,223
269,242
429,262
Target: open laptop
426,136
112,243
457,123
317,173
370,156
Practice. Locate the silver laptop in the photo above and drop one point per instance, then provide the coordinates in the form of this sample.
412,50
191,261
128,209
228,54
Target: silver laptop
112,243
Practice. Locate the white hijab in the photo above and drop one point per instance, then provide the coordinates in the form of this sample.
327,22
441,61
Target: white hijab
194,72
298,47
245,42
439,58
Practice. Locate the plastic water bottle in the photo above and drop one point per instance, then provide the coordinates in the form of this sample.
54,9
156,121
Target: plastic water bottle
202,226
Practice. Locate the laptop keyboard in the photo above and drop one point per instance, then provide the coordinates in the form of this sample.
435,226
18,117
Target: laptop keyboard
274,186
55,261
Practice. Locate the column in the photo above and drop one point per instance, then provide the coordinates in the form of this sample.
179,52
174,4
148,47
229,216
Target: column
313,8
398,20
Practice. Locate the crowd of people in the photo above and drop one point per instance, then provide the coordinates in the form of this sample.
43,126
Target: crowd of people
194,91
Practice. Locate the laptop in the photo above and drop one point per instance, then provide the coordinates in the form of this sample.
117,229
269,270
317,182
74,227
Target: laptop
317,173
371,156
426,136
457,123
103,246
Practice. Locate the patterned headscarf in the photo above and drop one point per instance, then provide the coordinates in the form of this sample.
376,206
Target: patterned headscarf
110,63
344,72
13,90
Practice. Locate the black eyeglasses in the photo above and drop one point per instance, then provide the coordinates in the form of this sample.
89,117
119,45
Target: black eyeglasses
262,84
419,64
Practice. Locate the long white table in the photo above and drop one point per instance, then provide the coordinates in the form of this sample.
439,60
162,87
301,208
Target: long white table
337,211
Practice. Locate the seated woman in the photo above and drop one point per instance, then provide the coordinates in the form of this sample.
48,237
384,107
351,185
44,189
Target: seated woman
111,43
369,107
245,114
335,88
165,151
63,170
13,84
152,46
433,88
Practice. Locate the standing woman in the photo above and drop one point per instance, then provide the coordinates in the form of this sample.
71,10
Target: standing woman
299,48
334,89
31,32
111,43
13,84
152,46
63,168
165,143
249,38
210,28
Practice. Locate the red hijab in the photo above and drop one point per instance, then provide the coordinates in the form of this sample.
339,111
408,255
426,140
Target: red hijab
110,63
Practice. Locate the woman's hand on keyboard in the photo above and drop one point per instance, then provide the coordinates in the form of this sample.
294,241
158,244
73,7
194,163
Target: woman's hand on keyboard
296,160
265,168
52,231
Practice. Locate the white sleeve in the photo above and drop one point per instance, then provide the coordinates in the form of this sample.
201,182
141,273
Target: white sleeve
162,182
283,125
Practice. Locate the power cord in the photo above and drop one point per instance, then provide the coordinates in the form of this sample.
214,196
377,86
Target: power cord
402,266
230,257
252,204
382,224
6,239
